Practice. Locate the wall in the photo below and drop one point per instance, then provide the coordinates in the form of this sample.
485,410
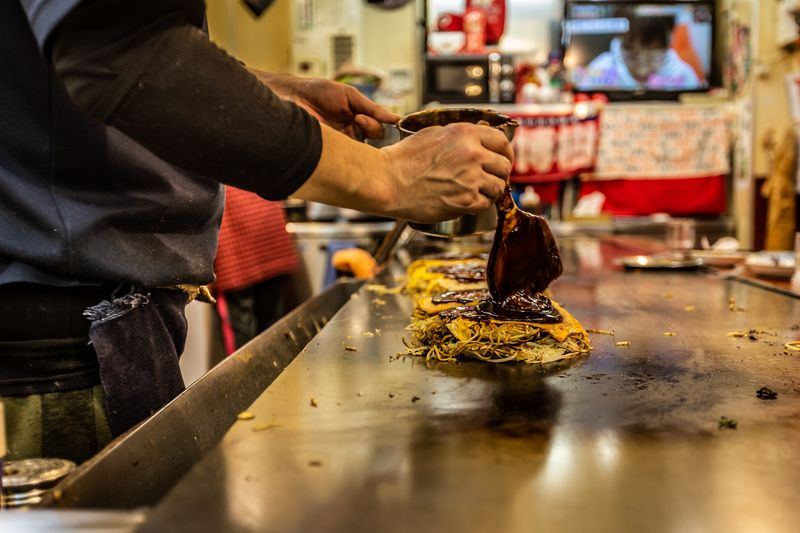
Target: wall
766,95
392,40
772,64
734,14
264,43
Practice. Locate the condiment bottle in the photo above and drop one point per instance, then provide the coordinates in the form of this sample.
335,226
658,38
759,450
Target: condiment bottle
475,30
529,201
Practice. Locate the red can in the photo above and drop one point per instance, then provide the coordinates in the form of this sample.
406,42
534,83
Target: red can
495,11
450,22
475,30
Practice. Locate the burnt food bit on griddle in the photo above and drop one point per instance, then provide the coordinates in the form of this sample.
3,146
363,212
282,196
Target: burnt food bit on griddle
765,393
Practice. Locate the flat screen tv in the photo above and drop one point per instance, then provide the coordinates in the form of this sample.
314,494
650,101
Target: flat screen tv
639,50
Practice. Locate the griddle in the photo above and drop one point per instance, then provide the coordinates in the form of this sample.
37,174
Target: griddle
351,437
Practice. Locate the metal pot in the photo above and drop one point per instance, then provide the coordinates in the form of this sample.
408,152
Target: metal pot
469,224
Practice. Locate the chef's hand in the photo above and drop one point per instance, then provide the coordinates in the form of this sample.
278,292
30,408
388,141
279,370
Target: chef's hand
445,171
337,105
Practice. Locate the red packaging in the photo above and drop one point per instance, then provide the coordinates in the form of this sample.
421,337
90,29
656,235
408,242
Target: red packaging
450,22
495,11
475,30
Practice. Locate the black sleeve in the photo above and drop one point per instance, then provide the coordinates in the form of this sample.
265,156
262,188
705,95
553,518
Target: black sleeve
163,83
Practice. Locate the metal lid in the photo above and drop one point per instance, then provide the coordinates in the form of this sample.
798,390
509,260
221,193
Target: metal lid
26,474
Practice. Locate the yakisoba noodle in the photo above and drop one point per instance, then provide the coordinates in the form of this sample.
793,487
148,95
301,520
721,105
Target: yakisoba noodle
426,277
443,332
445,337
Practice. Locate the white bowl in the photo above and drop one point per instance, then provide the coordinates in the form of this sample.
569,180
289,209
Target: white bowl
771,264
446,42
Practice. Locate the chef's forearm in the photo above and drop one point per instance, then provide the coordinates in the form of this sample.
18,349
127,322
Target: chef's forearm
353,175
281,84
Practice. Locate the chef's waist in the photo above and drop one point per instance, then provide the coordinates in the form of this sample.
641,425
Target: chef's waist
32,311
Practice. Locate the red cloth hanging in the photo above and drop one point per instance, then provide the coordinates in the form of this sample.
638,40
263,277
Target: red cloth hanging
677,196
253,242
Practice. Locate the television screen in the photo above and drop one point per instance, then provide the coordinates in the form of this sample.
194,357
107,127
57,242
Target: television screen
638,46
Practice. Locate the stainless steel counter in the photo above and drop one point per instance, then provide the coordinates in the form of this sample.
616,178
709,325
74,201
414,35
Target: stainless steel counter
623,439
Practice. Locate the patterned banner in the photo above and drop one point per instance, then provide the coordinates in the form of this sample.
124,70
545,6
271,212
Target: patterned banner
554,145
663,141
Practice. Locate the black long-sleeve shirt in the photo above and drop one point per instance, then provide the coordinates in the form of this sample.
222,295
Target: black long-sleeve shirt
124,186
147,69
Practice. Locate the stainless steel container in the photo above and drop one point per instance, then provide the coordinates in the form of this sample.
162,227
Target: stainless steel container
27,480
470,224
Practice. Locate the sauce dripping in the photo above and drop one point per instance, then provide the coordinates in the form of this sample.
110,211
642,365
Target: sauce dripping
463,272
524,256
524,260
539,309
462,297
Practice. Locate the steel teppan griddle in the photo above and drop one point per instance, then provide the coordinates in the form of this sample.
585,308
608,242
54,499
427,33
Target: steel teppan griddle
626,438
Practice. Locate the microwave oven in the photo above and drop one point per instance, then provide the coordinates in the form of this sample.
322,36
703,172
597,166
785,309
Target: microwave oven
465,79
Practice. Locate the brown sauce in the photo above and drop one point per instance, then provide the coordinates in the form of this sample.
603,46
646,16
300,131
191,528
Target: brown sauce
463,272
523,261
521,307
462,297
536,309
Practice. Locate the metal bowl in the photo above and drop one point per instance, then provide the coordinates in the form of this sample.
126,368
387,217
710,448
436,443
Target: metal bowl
415,122
469,224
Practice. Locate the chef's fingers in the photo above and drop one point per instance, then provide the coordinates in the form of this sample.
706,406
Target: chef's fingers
480,202
492,187
497,165
361,105
371,128
496,141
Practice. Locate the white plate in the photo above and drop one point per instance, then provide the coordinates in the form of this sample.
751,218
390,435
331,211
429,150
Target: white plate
719,259
660,262
446,42
771,264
